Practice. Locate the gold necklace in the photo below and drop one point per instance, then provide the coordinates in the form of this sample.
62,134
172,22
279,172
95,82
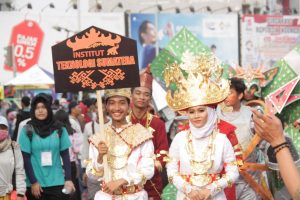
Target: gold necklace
148,118
200,166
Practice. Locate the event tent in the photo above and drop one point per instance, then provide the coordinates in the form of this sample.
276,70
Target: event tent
33,78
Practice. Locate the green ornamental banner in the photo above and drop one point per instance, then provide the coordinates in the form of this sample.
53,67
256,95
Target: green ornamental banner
289,70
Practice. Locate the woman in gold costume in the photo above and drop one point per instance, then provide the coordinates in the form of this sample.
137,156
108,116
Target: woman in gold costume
198,155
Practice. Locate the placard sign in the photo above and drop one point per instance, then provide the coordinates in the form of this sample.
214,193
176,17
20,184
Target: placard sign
95,59
26,37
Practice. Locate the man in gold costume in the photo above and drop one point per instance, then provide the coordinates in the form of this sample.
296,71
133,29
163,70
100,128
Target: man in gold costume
129,151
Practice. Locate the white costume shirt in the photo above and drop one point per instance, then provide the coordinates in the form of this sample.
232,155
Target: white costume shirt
223,154
242,121
140,164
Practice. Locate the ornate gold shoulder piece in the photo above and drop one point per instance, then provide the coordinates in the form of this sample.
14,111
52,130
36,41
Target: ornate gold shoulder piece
136,135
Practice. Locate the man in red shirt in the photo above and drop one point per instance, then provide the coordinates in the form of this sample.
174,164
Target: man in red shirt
141,97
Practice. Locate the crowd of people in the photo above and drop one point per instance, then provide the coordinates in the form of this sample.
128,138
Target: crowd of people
51,147
51,152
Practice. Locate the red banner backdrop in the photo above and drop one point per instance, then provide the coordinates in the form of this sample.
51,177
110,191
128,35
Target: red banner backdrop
26,38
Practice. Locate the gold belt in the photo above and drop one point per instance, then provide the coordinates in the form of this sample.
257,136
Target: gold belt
201,180
128,190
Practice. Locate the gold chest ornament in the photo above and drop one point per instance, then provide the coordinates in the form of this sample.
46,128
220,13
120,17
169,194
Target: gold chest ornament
121,145
118,153
201,164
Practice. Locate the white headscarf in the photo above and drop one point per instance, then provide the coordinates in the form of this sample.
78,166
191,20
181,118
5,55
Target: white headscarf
207,129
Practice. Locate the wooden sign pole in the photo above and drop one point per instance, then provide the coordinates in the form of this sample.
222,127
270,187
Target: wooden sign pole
102,134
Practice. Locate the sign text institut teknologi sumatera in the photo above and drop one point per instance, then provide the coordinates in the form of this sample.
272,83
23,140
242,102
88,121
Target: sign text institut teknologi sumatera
95,59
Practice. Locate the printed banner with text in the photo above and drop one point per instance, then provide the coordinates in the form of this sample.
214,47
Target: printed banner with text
154,31
265,39
95,59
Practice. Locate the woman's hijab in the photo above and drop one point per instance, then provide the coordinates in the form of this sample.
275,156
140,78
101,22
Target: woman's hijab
209,126
43,127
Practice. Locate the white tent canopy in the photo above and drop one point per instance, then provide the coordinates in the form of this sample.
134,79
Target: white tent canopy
34,76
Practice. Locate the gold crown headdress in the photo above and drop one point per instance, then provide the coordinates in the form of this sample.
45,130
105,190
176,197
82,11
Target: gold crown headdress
191,72
198,81
123,92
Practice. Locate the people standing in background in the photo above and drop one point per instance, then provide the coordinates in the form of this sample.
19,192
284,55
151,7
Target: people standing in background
241,117
11,162
21,125
90,129
74,113
76,141
23,114
141,98
91,109
11,115
56,106
44,143
74,117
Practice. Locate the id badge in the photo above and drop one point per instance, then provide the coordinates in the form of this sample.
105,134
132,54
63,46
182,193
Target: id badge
46,158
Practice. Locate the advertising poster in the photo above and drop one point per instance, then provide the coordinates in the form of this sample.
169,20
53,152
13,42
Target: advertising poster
33,35
266,39
219,32
143,30
26,41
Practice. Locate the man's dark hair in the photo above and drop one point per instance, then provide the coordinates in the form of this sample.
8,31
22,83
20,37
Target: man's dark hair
63,117
132,90
238,85
72,105
90,101
56,102
26,101
143,29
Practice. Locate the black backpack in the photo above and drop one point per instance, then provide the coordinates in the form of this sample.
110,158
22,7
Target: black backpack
29,130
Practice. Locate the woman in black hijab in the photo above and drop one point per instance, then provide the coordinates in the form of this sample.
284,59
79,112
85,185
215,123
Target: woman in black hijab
43,142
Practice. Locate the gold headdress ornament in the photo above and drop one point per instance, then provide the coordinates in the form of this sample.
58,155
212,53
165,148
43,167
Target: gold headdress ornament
123,92
198,80
191,72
